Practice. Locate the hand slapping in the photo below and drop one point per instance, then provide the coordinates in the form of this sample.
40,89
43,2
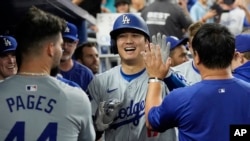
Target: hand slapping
156,57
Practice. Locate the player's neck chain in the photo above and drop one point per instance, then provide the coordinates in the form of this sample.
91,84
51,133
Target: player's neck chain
32,74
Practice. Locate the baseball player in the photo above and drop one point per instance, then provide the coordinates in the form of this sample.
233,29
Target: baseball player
69,68
178,50
241,61
203,111
120,92
188,69
8,64
33,104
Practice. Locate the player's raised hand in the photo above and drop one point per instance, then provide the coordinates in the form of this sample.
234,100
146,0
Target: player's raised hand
153,61
160,40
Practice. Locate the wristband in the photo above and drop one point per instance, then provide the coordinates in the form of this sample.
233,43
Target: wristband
154,79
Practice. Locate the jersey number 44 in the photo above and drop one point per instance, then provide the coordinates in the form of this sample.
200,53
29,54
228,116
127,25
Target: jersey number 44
18,132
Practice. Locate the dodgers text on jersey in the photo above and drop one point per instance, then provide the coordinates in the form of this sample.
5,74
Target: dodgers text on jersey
132,113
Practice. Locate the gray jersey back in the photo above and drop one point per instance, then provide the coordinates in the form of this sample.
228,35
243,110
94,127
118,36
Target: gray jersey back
188,71
44,108
129,125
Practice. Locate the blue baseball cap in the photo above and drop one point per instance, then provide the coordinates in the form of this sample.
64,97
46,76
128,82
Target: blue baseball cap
242,42
7,43
70,32
175,42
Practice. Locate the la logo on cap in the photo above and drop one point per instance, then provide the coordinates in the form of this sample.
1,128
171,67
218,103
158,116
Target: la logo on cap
7,42
125,19
67,30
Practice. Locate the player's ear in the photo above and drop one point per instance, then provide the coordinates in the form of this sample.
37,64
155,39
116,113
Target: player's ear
241,56
236,55
196,58
50,49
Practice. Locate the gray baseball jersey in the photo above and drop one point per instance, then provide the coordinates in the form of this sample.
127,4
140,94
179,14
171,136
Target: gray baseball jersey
43,108
129,125
188,70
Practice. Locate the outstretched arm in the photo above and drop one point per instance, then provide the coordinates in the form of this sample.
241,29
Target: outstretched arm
157,70
171,79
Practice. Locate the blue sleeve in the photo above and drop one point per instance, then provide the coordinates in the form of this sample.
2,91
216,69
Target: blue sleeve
175,81
154,119
164,116
71,83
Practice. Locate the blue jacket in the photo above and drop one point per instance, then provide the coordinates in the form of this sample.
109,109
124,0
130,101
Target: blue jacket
243,72
79,74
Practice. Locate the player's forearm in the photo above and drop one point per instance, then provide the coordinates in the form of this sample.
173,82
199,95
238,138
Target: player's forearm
154,98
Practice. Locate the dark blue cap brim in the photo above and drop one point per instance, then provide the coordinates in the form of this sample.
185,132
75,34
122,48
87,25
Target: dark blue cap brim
8,50
180,42
70,37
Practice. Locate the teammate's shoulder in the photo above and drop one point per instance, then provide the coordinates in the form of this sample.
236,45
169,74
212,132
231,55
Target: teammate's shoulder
61,83
188,91
183,65
7,81
109,73
242,82
68,90
69,82
107,77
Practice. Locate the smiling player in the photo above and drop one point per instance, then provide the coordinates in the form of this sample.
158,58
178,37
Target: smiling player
8,64
122,89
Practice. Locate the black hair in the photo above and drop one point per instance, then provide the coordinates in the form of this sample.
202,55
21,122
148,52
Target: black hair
78,52
215,45
36,27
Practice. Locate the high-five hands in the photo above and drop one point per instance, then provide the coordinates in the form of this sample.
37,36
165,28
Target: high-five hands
156,57
165,47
